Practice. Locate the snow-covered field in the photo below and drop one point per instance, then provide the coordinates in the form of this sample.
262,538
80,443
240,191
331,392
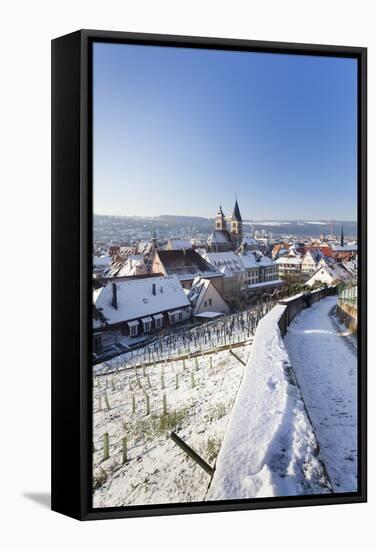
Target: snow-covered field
325,364
199,395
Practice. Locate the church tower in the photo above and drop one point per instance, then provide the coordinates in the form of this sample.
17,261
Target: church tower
220,222
236,226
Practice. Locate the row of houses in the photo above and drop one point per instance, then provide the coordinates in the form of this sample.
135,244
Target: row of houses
181,285
308,259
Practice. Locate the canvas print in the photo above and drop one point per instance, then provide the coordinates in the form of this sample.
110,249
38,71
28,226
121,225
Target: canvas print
224,275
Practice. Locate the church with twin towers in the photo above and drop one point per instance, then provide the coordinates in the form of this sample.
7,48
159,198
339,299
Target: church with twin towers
228,231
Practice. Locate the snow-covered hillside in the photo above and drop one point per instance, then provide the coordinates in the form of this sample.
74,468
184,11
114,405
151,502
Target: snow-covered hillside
284,424
199,397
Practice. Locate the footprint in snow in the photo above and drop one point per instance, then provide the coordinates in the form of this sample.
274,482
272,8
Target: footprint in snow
272,384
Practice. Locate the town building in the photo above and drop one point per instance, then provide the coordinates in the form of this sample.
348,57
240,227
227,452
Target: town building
289,264
206,301
331,274
135,307
344,252
248,244
310,260
259,268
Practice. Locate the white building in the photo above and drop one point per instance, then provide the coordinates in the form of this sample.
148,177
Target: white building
231,267
141,306
310,260
331,274
289,264
205,299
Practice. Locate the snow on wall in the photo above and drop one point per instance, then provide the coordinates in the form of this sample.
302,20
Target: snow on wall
269,448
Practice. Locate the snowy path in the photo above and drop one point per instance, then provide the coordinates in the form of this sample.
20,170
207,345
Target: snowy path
325,366
269,448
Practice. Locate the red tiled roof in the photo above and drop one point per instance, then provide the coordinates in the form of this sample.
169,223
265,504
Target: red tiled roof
326,250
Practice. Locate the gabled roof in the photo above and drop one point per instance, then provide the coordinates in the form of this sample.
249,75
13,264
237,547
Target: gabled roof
133,265
249,241
256,259
198,291
236,213
219,236
289,260
315,254
325,250
135,298
335,272
186,264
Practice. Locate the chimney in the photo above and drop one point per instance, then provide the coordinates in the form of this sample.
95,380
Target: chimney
114,296
154,289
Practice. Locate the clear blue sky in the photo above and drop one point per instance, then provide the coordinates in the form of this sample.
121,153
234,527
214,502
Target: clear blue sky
180,131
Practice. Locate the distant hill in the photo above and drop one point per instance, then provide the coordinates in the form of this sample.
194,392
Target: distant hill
170,224
304,227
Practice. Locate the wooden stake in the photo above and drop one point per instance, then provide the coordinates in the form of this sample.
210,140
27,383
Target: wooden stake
106,446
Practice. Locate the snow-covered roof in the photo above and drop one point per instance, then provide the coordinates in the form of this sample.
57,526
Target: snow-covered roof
226,262
255,259
186,264
249,241
135,298
330,274
209,314
101,261
249,261
351,266
133,265
197,290
289,260
313,254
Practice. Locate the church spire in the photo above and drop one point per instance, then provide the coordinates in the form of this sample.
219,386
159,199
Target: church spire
220,220
342,237
236,213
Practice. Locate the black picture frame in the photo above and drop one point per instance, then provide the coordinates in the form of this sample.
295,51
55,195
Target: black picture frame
71,272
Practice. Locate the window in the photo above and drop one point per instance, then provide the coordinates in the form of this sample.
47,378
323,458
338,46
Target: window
133,330
210,301
205,303
180,316
158,323
147,327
